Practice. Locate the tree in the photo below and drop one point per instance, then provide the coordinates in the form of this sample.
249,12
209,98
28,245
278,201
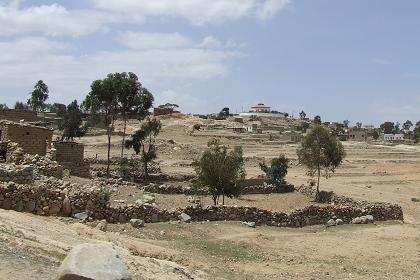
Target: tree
225,112
102,100
317,120
407,125
359,125
276,173
302,115
56,108
396,129
387,127
3,107
71,122
221,171
143,142
20,106
132,99
376,135
38,96
346,123
320,151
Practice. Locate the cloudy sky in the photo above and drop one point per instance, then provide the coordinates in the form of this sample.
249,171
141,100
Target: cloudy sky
357,60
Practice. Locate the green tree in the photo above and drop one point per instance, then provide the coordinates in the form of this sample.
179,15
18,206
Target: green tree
387,127
221,171
132,99
408,125
346,123
317,120
276,173
3,107
376,135
302,115
20,106
225,112
71,122
359,125
38,96
143,142
56,108
102,100
396,129
320,151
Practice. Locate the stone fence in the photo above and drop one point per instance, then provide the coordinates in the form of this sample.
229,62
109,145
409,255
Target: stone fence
55,198
21,174
176,189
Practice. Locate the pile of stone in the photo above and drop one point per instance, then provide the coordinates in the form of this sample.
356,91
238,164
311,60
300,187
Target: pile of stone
44,165
21,174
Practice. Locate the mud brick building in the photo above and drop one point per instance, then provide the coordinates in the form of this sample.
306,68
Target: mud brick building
18,115
32,139
71,156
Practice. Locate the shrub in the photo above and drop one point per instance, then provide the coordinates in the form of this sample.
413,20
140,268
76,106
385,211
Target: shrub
276,173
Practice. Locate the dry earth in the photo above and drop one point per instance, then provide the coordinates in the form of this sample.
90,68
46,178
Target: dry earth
31,247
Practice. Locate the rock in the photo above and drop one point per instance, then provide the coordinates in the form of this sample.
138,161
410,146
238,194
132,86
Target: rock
363,219
162,233
370,218
184,217
83,216
356,221
137,223
339,222
93,261
147,198
66,206
103,225
250,224
331,223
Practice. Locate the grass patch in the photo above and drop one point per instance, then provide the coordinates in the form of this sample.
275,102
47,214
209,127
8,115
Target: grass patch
415,199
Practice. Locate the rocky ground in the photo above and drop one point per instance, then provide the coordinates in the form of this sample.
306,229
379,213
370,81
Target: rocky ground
31,247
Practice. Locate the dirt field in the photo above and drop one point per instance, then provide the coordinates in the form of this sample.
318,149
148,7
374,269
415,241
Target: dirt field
230,250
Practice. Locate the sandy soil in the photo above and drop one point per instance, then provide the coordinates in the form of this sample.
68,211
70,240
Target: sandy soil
230,250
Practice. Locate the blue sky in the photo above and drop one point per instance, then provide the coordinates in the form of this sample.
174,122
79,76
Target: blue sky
356,60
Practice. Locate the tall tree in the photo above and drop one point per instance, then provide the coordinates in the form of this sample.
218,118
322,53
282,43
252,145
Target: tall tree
302,115
320,151
408,125
132,99
103,100
143,142
71,122
387,127
38,96
221,171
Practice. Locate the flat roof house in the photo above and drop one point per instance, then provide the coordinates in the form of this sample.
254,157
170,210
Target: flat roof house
393,137
32,139
261,108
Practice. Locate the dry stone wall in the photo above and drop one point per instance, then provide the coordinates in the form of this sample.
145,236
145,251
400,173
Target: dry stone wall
71,156
54,197
21,174
18,115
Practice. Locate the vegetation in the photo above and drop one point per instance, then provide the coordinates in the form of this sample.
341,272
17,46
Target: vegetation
359,125
71,122
276,173
302,115
103,100
143,142
320,151
407,125
317,120
57,108
346,123
221,171
38,97
21,106
3,107
387,127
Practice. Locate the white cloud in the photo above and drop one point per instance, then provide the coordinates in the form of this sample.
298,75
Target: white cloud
51,19
141,40
381,61
198,12
212,42
27,60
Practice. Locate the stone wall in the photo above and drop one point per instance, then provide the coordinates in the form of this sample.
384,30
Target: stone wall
57,198
71,156
176,189
18,115
32,139
21,174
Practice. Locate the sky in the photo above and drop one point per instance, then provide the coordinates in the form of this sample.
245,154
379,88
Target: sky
357,60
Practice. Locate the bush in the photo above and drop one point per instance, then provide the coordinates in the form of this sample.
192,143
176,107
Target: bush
276,173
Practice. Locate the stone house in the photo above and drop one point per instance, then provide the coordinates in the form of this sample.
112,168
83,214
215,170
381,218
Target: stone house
71,156
18,115
359,135
32,139
261,108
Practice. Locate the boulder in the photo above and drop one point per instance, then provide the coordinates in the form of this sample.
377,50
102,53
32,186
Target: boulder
83,216
137,223
357,221
93,261
331,223
66,208
339,222
184,217
250,224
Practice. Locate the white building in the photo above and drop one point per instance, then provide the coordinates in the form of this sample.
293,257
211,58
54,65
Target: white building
393,137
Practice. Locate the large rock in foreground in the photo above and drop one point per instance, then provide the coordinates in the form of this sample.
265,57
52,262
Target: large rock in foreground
93,262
